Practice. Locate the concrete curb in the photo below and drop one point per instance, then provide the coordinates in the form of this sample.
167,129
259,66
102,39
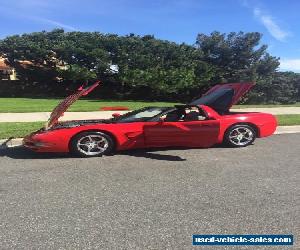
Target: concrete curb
44,116
15,142
287,129
10,142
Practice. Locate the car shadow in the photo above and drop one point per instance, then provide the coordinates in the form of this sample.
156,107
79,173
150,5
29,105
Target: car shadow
150,154
21,152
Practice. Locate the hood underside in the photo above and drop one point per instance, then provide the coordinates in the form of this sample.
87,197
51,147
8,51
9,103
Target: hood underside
59,110
221,97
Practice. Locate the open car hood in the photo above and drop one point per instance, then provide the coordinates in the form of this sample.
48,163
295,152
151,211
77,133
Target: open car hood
221,97
59,110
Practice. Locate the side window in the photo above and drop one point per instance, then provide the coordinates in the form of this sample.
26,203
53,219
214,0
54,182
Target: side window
174,116
194,114
185,114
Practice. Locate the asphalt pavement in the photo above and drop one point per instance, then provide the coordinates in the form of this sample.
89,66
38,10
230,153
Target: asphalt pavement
149,199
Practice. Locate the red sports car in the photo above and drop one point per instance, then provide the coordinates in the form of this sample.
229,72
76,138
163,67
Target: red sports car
202,123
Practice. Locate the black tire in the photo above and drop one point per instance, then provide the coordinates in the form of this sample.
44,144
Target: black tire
91,144
233,136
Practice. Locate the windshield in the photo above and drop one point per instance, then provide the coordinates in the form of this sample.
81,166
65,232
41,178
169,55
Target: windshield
140,115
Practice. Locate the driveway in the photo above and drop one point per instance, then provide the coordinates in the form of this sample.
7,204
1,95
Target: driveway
152,199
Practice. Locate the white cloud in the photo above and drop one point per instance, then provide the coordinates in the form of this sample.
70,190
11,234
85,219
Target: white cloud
290,65
273,28
55,23
28,8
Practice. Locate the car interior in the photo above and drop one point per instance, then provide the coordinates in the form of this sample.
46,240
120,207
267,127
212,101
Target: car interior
185,113
219,100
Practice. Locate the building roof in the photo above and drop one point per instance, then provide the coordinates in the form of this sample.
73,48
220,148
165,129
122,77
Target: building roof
4,65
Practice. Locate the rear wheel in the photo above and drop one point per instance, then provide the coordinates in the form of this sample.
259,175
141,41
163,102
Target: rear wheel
90,144
240,135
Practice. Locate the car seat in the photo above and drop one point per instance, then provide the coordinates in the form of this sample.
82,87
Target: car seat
192,116
172,117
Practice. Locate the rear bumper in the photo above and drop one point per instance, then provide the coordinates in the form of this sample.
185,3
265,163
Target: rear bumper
268,128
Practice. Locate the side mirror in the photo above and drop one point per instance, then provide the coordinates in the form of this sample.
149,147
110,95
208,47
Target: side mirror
115,115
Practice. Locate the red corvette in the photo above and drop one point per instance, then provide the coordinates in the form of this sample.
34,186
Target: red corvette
202,123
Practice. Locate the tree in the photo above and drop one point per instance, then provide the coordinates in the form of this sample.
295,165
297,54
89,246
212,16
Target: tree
150,68
282,87
236,56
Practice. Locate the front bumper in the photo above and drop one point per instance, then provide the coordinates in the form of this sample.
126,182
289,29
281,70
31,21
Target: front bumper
35,144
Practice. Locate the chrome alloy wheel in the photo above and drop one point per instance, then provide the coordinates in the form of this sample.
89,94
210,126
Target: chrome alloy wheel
241,136
92,144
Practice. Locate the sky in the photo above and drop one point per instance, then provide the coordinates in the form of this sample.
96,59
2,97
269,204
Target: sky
178,21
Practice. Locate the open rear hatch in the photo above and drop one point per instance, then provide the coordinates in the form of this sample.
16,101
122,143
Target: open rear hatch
221,97
59,110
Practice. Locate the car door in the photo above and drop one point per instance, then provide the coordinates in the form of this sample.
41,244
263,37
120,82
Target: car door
181,133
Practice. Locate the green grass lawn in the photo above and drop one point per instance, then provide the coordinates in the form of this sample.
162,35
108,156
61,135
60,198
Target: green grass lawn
21,105
24,105
288,120
20,129
297,104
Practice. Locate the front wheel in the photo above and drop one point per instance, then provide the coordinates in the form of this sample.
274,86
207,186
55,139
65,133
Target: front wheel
240,135
89,144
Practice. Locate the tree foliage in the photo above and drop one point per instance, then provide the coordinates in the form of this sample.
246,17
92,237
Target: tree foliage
236,56
143,67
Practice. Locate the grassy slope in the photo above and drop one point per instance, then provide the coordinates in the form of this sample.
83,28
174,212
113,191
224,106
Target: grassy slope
266,105
288,120
20,129
40,105
21,105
